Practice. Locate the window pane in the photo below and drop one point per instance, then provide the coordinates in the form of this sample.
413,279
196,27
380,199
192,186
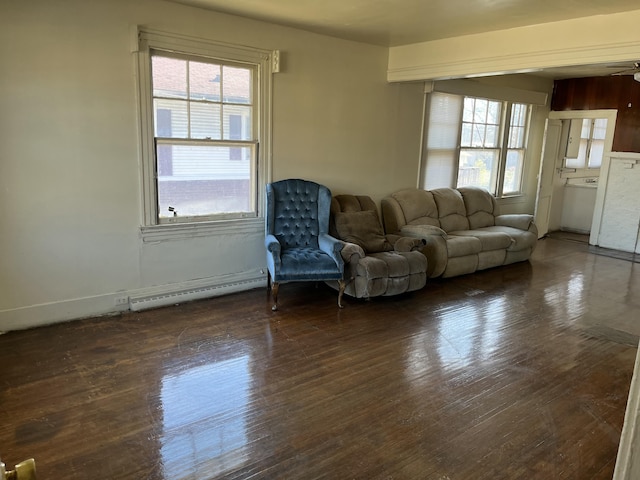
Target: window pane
205,180
478,136
586,128
480,112
205,120
477,168
171,118
494,113
467,115
513,171
516,137
491,140
581,160
204,81
169,77
596,153
237,122
465,140
236,84
600,128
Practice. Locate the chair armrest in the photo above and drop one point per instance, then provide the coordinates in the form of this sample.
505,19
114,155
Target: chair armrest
331,246
272,245
409,244
521,221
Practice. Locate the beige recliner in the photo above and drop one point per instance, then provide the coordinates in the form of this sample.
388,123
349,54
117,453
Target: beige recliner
375,264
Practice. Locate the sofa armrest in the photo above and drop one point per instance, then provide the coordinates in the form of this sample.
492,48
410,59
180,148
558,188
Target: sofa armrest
521,221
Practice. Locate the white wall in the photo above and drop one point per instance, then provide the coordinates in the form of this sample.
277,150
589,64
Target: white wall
70,186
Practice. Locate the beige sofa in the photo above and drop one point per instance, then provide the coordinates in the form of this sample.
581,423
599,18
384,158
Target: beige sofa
462,227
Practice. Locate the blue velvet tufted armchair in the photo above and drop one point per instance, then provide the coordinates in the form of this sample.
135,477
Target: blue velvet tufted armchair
299,247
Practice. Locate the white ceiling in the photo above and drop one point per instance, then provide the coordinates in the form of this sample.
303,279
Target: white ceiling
400,22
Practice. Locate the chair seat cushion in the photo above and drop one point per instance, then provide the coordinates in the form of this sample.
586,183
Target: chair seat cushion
362,228
305,263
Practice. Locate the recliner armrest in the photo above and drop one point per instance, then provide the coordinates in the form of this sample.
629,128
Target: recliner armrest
349,250
409,244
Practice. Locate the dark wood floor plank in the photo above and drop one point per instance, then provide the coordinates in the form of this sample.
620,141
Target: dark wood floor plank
515,372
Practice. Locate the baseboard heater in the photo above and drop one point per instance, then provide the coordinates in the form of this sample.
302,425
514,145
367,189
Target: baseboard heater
171,297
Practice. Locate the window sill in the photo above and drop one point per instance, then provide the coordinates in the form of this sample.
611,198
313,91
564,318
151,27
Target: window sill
510,199
182,231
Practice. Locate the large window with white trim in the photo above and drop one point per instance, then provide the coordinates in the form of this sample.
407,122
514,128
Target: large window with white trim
204,111
474,141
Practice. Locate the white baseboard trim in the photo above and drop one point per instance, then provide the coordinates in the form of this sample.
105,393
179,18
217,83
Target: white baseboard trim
139,299
194,290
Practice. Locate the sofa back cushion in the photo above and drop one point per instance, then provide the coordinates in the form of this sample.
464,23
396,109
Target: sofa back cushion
480,205
418,206
451,210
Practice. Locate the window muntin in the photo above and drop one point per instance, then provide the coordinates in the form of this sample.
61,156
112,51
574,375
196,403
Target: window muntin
205,152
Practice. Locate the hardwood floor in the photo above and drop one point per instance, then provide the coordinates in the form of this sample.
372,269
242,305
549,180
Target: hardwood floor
519,372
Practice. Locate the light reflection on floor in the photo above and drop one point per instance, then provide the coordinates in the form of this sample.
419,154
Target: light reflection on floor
204,424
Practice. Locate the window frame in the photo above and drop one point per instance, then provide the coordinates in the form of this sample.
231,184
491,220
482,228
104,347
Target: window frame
502,147
151,40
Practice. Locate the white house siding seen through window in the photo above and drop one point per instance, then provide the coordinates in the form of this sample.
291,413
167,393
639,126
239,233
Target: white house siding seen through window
203,112
476,142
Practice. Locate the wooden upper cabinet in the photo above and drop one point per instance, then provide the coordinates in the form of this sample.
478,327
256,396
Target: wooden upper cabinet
596,93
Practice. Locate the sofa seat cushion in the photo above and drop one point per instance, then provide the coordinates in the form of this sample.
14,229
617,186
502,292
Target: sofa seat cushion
522,240
460,246
490,239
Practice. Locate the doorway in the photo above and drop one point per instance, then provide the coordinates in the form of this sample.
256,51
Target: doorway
576,144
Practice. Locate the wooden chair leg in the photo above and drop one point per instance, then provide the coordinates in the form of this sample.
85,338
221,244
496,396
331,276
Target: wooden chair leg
275,286
342,285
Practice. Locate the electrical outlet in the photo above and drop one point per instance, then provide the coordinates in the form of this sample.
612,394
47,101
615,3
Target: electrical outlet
122,301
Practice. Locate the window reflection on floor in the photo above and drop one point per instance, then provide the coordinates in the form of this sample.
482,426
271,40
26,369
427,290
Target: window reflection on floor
204,423
467,334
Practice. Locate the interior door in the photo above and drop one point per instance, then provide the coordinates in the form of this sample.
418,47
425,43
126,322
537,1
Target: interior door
548,165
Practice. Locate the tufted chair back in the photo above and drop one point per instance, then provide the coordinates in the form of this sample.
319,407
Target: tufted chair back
299,212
